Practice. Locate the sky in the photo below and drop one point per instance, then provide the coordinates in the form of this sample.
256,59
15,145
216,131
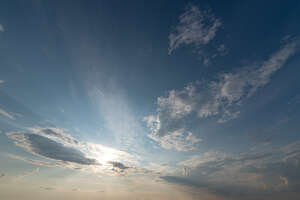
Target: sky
144,100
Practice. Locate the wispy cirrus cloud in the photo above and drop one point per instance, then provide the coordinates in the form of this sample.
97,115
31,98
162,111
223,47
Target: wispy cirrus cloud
195,27
198,28
33,161
26,174
118,115
6,114
220,98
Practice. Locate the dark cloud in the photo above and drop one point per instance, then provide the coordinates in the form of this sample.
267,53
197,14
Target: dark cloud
119,168
43,146
2,175
51,149
119,165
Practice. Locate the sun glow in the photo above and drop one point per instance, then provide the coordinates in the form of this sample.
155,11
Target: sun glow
104,155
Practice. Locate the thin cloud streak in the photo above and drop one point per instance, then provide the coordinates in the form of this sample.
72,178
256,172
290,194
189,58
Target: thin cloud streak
6,114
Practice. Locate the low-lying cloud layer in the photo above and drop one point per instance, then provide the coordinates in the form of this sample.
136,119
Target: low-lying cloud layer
245,173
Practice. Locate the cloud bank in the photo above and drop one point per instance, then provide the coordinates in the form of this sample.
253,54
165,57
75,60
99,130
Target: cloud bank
242,174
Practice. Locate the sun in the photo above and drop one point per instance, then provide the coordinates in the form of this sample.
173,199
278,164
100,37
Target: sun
104,154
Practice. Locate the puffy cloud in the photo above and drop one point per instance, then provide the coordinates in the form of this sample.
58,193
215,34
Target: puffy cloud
195,27
178,140
2,81
220,98
6,114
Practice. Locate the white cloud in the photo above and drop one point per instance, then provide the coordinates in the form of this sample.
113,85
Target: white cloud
195,27
221,97
2,81
233,86
191,138
179,140
177,106
6,114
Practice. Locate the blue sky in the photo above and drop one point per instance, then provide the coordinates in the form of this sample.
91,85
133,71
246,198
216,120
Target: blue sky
149,100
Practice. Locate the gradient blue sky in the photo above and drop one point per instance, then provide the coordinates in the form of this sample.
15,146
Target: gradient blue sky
149,100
